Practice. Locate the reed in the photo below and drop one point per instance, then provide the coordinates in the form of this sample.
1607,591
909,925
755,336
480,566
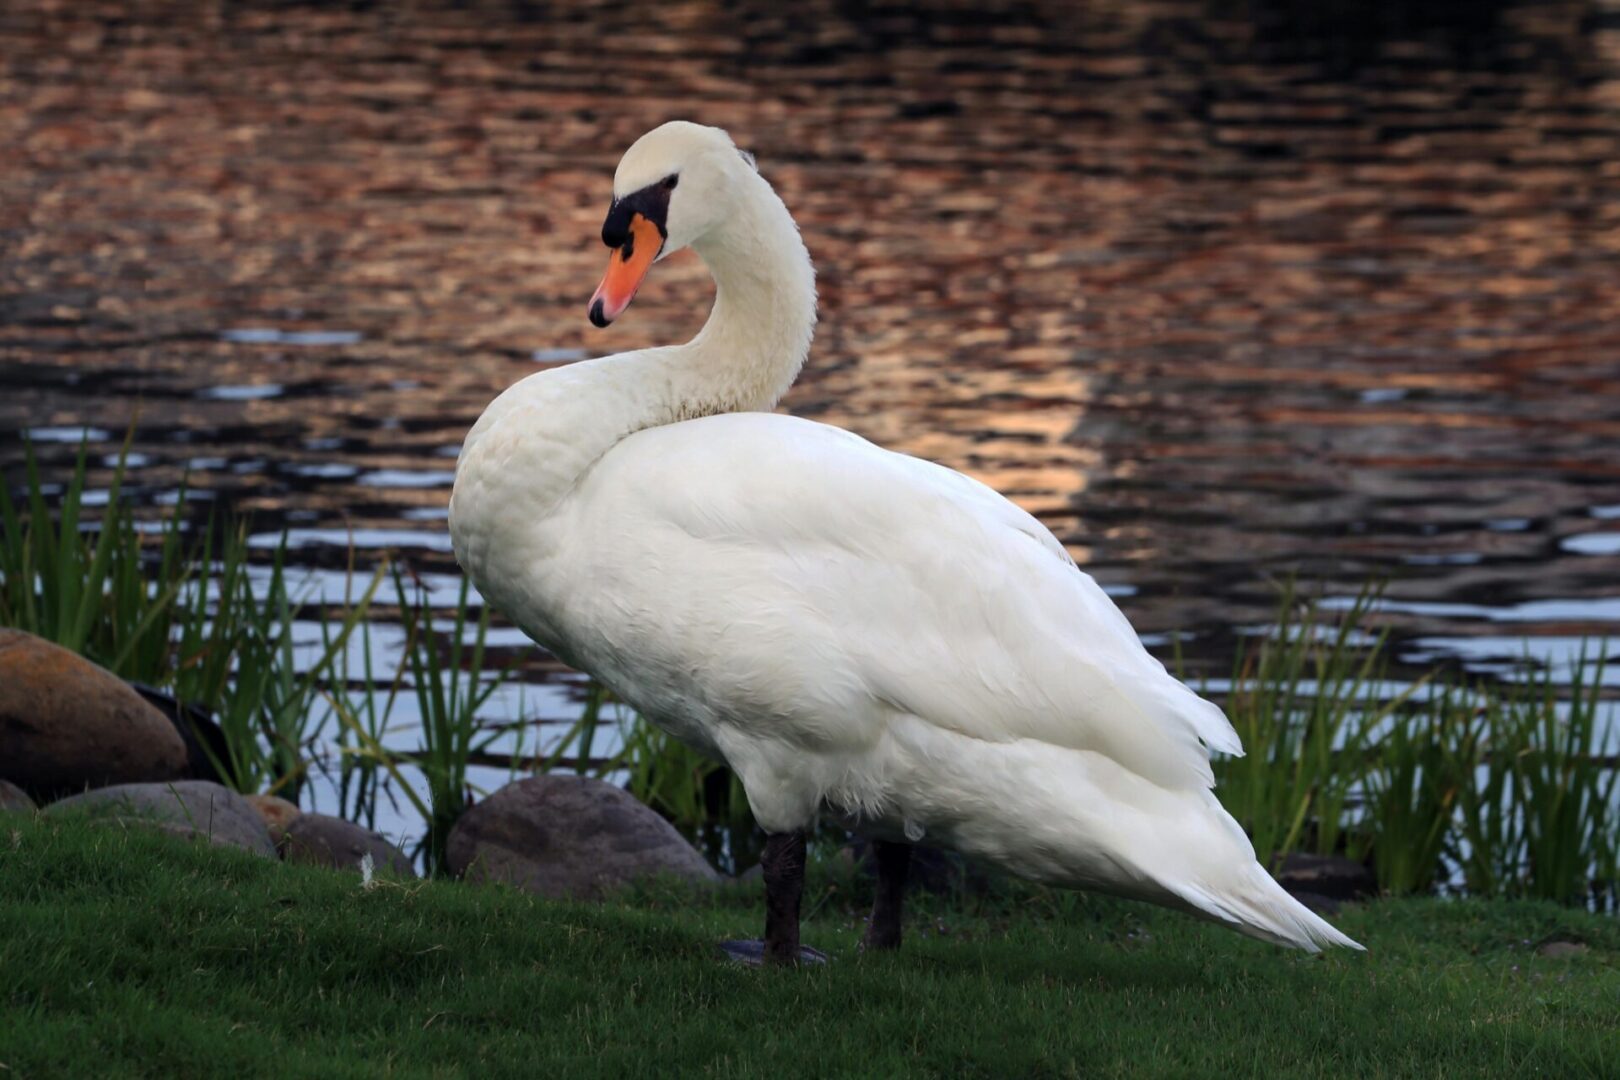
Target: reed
1564,791
363,709
88,588
450,686
268,710
1305,699
1410,788
1486,844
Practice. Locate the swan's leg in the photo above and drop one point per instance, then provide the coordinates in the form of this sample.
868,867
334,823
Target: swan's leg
893,865
782,865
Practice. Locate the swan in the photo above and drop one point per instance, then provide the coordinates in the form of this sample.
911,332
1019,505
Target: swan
855,632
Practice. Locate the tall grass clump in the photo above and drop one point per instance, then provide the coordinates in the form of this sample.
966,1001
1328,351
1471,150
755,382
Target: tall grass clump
451,686
1501,790
1305,698
363,707
1410,780
105,590
444,672
273,710
1496,789
1565,791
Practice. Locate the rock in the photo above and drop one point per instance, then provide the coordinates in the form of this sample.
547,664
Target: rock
197,728
67,725
1332,877
15,798
1563,949
277,813
569,837
182,808
324,840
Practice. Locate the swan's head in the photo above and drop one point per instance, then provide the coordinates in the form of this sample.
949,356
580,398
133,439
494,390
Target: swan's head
673,186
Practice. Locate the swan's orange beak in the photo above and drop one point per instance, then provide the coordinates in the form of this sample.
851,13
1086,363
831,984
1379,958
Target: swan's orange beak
627,266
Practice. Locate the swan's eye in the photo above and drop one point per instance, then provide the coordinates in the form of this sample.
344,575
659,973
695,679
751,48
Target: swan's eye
670,181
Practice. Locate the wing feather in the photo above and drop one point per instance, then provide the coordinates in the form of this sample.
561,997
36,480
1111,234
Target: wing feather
951,603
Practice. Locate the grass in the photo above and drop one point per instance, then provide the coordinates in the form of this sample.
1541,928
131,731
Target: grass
127,953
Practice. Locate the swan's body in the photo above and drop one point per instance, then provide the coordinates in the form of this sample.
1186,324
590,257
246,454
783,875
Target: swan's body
854,631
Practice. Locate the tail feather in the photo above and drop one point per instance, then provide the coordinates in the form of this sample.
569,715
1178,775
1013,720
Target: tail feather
1261,908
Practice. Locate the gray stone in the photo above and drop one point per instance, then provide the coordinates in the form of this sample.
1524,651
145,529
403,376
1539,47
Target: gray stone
1331,877
183,808
324,840
15,798
1563,949
569,837
67,725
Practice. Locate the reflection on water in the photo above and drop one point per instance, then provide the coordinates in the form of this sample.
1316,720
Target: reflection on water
1220,293
266,335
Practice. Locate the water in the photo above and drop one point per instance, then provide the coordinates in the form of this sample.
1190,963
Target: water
1220,293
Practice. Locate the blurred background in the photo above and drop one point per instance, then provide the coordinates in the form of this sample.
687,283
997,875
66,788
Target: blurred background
1222,292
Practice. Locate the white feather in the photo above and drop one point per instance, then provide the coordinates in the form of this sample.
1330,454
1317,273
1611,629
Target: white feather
854,631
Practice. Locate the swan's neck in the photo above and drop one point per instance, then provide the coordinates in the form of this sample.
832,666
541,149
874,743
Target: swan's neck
534,442
751,349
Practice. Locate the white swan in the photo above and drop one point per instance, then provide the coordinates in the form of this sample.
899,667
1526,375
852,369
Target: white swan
854,631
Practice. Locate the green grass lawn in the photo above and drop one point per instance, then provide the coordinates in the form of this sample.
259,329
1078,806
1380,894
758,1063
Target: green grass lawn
123,953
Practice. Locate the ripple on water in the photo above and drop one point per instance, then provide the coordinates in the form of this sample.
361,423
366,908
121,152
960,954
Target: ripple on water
1513,657
1446,558
172,496
1595,609
322,586
68,434
408,478
1593,543
265,335
359,538
246,392
322,470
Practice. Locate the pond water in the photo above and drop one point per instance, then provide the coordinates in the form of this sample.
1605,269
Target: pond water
1220,292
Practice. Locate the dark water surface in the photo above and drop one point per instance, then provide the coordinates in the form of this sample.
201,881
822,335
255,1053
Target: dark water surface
1220,291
